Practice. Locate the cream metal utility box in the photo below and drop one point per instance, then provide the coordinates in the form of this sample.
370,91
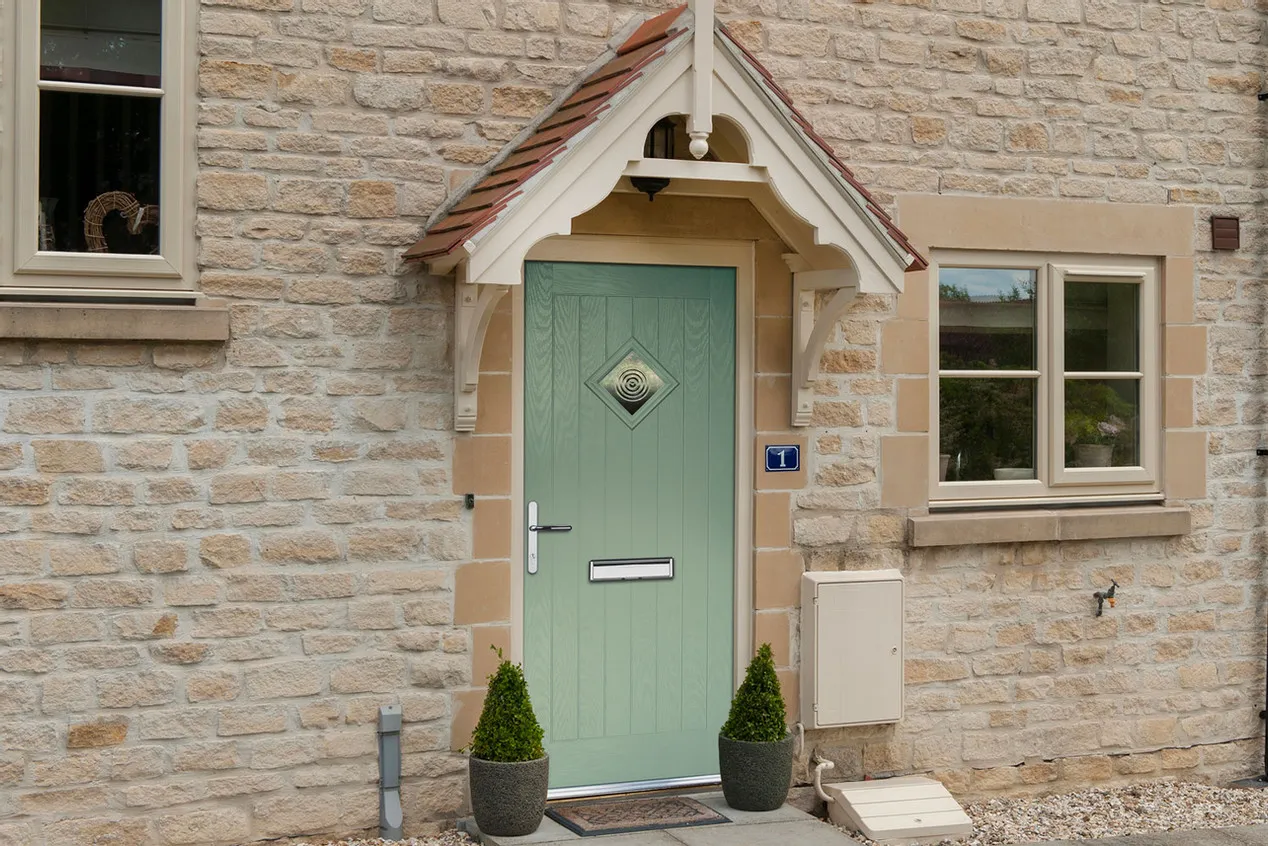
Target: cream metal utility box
851,648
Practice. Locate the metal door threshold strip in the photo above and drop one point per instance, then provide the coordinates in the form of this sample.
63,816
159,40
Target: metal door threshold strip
632,787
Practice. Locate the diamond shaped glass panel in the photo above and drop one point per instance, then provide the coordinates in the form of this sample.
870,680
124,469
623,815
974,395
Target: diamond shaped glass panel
632,383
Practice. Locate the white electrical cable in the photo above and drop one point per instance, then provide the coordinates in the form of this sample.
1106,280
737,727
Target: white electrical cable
819,791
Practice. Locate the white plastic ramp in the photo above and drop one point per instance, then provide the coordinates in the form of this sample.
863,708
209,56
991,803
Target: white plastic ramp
912,809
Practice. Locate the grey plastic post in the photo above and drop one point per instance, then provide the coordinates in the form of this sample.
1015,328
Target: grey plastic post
390,814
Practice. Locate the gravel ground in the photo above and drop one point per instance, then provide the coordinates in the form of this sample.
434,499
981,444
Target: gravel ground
1112,812
448,838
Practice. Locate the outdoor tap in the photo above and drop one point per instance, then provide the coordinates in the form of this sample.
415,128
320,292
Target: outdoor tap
1104,596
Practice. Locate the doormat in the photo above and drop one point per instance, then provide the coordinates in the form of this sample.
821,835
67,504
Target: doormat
619,816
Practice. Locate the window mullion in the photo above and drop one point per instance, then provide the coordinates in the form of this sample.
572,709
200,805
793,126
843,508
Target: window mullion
1051,361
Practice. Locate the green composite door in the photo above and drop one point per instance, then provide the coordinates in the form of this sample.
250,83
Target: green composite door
629,383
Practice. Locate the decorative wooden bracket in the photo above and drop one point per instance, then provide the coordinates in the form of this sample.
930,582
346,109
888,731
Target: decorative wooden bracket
810,331
473,309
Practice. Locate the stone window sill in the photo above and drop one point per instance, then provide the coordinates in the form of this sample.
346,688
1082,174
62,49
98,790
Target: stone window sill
206,320
1051,524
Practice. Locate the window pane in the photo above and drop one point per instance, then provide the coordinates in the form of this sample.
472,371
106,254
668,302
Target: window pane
1102,326
986,429
986,319
1102,423
99,173
109,43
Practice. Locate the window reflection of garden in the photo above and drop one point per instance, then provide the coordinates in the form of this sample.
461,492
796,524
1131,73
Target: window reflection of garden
1102,335
985,425
987,322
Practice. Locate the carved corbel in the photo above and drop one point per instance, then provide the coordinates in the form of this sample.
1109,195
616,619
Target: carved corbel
810,331
473,306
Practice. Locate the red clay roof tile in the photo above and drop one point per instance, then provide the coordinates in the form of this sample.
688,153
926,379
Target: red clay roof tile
492,194
651,30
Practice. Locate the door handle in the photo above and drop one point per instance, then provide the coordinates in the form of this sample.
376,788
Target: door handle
533,529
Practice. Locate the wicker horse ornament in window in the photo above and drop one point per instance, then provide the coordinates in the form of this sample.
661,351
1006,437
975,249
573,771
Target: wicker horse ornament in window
125,204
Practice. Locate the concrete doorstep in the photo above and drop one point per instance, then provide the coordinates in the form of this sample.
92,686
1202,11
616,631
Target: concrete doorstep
787,826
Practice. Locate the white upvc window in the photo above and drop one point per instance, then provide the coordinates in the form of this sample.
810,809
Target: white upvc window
1048,384
100,106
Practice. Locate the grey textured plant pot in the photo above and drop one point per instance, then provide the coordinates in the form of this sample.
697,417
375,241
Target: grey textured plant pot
508,800
755,776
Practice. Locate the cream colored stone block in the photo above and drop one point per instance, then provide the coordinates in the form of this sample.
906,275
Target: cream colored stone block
482,465
774,281
1178,403
1178,290
987,223
1184,349
492,528
913,302
905,347
790,687
493,414
772,403
467,705
772,627
774,345
913,405
772,521
482,592
777,579
1185,467
496,355
904,470
485,641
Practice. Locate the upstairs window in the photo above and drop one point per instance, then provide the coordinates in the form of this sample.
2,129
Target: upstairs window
102,145
1048,384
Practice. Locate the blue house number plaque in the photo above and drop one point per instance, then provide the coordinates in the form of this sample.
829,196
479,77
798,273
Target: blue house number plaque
783,459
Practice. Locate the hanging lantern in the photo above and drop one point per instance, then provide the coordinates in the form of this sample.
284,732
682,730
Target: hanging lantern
659,145
660,141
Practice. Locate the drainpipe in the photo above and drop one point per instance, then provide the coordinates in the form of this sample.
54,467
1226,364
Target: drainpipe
390,816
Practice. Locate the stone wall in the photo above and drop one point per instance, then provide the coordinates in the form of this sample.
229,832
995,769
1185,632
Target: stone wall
218,560
1012,684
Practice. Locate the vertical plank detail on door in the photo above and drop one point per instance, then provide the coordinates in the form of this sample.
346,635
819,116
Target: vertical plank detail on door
631,680
592,669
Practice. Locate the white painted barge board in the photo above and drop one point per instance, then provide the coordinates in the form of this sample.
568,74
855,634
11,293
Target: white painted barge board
898,810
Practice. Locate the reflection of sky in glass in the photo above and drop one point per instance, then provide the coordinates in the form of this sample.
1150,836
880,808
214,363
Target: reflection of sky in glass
988,284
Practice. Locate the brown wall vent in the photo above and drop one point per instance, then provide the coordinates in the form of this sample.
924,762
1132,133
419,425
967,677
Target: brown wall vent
1225,233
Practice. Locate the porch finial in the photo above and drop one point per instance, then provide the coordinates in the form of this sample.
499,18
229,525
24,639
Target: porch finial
701,123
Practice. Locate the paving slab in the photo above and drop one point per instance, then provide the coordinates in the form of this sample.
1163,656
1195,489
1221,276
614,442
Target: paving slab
1252,835
548,832
717,802
786,826
806,833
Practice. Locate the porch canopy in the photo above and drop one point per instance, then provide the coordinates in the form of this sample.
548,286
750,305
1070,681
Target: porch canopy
746,140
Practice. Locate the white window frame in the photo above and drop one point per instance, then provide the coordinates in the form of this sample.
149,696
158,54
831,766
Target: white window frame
1054,481
24,265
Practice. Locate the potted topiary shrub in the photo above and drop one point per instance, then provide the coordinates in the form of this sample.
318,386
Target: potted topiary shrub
755,748
509,768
